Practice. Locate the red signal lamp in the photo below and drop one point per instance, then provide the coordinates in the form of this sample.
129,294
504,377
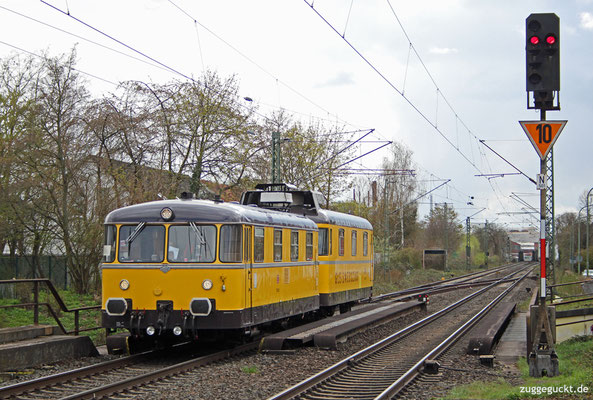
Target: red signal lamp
550,39
534,40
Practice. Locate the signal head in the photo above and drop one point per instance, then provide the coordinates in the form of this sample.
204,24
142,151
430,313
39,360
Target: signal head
542,53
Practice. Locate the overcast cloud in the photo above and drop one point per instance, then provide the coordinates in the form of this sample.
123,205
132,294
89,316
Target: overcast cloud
474,51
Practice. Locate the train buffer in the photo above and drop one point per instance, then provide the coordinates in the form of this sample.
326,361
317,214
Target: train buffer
326,333
29,346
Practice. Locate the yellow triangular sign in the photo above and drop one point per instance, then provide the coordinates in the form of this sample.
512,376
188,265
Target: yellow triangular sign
543,134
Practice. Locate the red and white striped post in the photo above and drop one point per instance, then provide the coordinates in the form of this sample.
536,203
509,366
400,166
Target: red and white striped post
542,252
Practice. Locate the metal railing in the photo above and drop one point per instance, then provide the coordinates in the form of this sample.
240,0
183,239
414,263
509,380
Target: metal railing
583,297
36,304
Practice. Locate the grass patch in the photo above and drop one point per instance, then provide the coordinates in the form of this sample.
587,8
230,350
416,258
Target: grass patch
18,316
391,280
250,369
576,370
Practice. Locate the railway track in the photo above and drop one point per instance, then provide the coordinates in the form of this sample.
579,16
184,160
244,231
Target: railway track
471,279
116,376
384,369
127,377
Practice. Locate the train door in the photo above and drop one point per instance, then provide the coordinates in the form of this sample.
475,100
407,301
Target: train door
248,261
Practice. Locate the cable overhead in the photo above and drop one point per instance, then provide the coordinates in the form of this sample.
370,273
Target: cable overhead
438,92
159,63
118,41
392,85
42,57
81,38
249,59
508,162
345,148
171,68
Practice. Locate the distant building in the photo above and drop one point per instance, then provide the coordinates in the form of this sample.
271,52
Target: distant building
524,245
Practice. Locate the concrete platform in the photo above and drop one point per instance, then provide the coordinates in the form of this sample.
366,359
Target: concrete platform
15,334
327,332
490,329
41,348
513,343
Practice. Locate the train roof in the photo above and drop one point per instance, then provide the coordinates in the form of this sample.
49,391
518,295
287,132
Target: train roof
341,219
205,211
284,197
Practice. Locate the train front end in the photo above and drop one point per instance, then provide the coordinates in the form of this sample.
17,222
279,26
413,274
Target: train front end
173,270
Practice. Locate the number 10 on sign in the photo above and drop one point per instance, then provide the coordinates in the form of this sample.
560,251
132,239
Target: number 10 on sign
542,134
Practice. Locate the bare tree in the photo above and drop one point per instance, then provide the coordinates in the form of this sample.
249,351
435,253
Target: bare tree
26,231
442,230
58,157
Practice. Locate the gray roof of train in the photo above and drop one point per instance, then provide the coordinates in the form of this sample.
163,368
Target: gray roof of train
204,211
341,219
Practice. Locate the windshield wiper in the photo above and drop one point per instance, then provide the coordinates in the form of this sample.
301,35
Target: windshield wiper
198,232
135,232
200,235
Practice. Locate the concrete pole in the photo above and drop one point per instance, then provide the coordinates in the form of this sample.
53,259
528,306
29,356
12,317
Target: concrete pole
588,194
579,240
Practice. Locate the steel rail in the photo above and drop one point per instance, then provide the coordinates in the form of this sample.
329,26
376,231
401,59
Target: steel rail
413,372
316,379
443,283
63,377
152,376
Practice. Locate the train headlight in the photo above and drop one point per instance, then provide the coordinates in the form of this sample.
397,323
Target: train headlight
177,330
207,284
150,330
124,284
167,214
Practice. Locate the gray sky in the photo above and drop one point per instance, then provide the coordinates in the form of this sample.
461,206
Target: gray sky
286,56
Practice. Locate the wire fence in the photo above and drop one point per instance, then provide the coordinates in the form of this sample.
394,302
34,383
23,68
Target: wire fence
21,267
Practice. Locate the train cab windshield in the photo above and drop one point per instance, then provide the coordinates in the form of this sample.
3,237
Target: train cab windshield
142,243
192,243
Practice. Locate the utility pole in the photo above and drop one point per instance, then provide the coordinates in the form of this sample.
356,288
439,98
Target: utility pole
486,243
275,157
468,246
386,224
446,228
588,194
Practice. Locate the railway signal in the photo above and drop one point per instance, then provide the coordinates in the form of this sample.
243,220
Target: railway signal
543,134
542,51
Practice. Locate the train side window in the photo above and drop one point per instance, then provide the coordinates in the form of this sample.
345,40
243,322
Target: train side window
110,243
258,244
142,243
230,243
323,239
309,246
341,242
294,245
192,243
365,244
353,242
277,244
331,239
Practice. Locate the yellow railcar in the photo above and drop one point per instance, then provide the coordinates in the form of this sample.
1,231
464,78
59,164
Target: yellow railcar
190,267
345,244
194,268
345,259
